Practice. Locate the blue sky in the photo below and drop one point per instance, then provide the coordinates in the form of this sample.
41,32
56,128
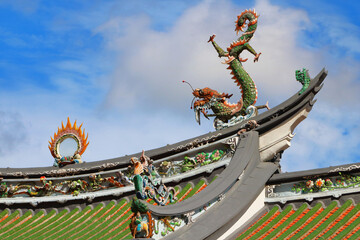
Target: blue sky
117,66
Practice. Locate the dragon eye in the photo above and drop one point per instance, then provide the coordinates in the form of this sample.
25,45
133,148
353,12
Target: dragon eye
201,91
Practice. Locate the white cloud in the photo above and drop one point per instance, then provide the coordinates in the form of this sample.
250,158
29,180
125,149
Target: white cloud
154,63
13,134
326,138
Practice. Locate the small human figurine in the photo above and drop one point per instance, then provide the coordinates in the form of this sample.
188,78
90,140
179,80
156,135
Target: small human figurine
123,179
77,158
141,222
251,124
95,181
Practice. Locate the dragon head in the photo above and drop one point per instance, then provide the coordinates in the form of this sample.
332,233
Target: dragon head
205,95
205,98
199,93
250,15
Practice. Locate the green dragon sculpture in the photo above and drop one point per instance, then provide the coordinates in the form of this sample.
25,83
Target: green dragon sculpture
227,114
303,77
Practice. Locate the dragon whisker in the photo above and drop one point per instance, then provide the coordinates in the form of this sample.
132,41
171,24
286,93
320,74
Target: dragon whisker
192,102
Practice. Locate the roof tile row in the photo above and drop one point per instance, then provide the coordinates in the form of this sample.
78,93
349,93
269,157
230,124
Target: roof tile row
103,222
333,222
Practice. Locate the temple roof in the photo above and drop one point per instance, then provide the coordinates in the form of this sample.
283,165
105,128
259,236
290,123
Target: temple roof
237,179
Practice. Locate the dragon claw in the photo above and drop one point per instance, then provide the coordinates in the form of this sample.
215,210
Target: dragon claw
267,105
257,57
205,113
212,38
229,60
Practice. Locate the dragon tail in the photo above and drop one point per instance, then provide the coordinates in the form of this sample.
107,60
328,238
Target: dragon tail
248,15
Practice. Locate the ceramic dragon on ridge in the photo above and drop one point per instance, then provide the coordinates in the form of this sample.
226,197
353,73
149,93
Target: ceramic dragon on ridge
227,114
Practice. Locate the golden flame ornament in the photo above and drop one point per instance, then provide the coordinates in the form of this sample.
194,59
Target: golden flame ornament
69,131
